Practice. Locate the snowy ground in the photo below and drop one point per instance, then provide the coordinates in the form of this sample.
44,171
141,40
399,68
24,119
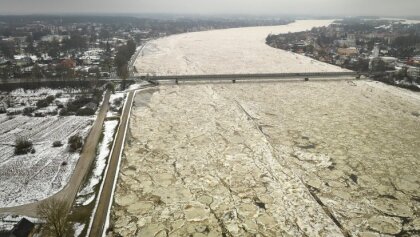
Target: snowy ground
87,194
28,98
245,159
241,50
116,102
39,92
31,177
78,229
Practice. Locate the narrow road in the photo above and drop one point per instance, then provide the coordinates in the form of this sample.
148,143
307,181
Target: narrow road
87,157
101,214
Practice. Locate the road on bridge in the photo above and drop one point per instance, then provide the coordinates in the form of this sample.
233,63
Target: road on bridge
246,77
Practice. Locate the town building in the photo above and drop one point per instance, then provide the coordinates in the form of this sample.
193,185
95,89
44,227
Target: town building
24,228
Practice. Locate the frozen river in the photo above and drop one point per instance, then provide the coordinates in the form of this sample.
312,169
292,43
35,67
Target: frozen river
312,158
230,51
284,160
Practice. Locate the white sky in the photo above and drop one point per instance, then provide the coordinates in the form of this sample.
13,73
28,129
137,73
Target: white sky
272,7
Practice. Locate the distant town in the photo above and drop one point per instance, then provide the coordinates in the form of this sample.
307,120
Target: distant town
82,47
37,47
388,49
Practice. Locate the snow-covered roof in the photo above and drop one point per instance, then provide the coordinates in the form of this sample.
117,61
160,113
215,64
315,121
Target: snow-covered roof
19,56
33,58
386,58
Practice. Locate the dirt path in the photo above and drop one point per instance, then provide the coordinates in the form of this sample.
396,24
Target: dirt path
101,213
82,168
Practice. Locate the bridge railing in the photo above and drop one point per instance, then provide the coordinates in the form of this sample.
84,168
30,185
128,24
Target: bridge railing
248,76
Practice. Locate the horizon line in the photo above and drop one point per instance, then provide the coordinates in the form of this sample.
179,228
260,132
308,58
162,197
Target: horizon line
137,14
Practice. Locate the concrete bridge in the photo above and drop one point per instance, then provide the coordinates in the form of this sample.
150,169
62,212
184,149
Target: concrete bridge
238,77
178,78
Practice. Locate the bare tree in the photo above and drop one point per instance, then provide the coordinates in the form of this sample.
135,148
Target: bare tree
123,73
55,214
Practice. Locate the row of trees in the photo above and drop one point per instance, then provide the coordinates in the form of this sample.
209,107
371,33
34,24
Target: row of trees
122,60
76,42
405,46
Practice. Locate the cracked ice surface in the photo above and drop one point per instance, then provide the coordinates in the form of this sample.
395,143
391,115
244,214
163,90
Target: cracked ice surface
197,164
229,51
210,159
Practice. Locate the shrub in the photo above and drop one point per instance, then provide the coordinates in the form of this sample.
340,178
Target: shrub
117,101
74,106
14,112
42,104
39,114
58,95
97,93
110,86
57,144
85,112
60,105
27,111
23,146
97,96
63,112
50,99
54,112
75,143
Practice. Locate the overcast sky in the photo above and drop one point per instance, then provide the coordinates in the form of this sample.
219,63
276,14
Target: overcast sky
281,7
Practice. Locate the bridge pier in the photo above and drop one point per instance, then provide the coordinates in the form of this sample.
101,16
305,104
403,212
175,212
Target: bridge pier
176,81
306,78
233,81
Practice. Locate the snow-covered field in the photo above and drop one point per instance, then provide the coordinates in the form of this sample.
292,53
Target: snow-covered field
21,99
31,177
229,51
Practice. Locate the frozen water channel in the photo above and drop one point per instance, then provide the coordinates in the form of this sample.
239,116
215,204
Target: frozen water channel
230,51
270,159
215,159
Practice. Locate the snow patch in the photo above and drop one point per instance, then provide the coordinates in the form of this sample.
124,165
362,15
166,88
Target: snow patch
136,86
39,92
101,159
116,101
78,229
